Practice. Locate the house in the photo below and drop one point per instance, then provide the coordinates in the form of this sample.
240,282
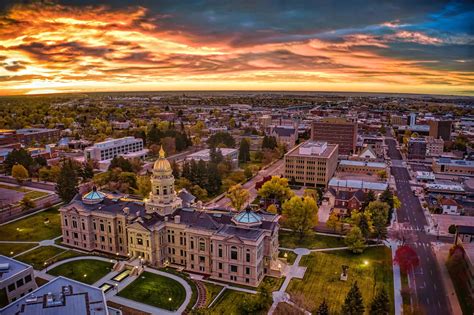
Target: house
285,135
450,206
346,201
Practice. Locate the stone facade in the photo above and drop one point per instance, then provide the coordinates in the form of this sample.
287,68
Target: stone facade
240,248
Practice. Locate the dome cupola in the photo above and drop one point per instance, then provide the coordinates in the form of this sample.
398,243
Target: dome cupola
162,164
247,218
93,197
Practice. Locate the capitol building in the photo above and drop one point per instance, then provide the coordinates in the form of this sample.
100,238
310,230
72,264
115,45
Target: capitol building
237,247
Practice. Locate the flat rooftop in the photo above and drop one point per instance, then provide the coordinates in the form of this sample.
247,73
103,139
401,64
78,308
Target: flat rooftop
206,153
448,161
313,149
58,297
33,130
115,142
362,163
9,267
357,184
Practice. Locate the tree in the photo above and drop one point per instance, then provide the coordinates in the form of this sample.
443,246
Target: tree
301,214
66,186
169,145
175,168
26,203
272,208
323,308
269,142
88,171
277,189
248,172
244,151
143,186
238,196
382,174
214,179
333,221
355,240
406,258
20,156
452,229
313,193
380,304
221,139
122,163
198,192
20,173
368,199
353,304
379,212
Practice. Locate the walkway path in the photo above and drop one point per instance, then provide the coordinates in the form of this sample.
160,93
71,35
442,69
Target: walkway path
293,271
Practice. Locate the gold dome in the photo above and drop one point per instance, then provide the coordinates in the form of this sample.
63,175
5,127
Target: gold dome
162,164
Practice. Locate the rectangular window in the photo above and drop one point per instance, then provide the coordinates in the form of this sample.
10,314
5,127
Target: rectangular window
83,226
202,259
11,287
220,266
247,257
19,283
102,227
202,246
27,278
233,268
247,270
220,252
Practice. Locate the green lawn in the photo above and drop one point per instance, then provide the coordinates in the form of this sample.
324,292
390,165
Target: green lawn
87,270
33,228
155,290
321,279
46,254
191,283
14,248
290,256
212,290
228,303
312,240
32,194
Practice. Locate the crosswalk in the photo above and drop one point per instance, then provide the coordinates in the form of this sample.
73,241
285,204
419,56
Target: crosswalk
421,244
410,228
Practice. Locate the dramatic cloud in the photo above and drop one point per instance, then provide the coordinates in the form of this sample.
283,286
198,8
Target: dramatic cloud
421,47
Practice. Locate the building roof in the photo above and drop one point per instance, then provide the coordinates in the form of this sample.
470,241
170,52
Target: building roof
347,195
284,131
247,218
94,196
448,202
357,184
362,163
313,148
465,229
9,267
162,164
448,161
60,296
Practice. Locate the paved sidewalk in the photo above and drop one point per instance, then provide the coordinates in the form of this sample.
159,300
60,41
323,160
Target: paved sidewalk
397,281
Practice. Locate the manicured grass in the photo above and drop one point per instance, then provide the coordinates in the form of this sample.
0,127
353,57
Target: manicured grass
33,228
321,280
459,276
290,256
87,270
13,249
212,290
191,283
46,254
229,303
286,309
312,240
272,284
32,194
155,290
405,293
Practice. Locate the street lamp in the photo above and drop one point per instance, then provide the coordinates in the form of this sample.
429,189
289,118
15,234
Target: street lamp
366,262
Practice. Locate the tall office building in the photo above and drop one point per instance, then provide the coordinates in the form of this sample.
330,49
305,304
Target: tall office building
312,163
336,131
441,129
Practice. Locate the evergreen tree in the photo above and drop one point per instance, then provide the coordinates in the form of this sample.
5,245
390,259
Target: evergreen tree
244,151
387,197
353,304
368,199
380,304
201,173
175,168
323,308
154,135
122,163
364,225
88,171
66,186
214,179
186,171
20,156
215,155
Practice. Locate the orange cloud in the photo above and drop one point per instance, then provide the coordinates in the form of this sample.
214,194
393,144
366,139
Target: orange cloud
46,48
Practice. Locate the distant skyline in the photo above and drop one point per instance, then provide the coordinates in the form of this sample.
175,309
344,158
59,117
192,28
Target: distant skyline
424,47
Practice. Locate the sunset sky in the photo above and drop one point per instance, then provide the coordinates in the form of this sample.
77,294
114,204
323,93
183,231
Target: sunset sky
368,46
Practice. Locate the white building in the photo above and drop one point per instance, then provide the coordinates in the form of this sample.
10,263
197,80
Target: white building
105,151
231,154
16,280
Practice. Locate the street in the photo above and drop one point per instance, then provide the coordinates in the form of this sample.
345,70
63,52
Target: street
275,169
429,292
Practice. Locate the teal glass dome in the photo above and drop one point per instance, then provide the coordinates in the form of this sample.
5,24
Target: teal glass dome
92,197
247,218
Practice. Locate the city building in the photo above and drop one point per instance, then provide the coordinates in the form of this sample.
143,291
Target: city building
205,155
241,248
450,206
311,163
60,296
336,131
441,129
453,167
417,148
399,120
16,280
361,167
28,136
465,238
286,135
434,146
128,147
